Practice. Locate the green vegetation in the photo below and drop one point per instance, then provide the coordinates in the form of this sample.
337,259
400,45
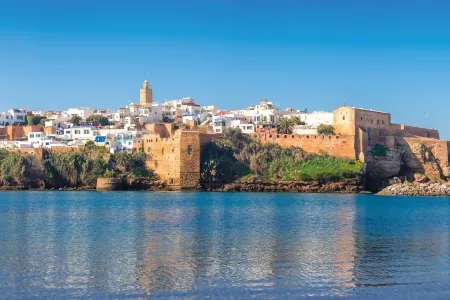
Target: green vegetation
286,125
76,120
236,155
42,121
325,129
379,151
320,168
70,169
98,120
34,120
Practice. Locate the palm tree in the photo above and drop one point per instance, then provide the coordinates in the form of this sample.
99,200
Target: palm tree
296,120
285,126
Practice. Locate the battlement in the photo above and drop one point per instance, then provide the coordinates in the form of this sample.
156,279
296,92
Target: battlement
342,146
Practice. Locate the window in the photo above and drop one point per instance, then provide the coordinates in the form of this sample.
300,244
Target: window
38,135
382,121
162,151
67,131
77,131
343,118
31,136
190,149
86,131
173,150
170,180
361,118
378,121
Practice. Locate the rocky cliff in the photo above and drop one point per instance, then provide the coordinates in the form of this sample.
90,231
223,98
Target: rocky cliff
408,160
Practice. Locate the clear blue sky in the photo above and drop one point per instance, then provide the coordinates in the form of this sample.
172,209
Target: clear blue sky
386,55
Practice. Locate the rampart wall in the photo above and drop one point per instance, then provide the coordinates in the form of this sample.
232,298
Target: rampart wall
163,156
342,146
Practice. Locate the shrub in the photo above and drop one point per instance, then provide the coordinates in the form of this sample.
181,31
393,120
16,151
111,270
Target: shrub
379,150
34,120
97,120
76,120
325,129
236,155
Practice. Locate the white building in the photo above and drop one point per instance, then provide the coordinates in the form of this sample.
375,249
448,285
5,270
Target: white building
243,125
36,137
17,116
212,109
83,112
220,124
318,117
82,133
6,119
38,113
266,113
304,129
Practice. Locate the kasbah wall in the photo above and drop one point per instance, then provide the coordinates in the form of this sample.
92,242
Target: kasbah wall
357,131
174,155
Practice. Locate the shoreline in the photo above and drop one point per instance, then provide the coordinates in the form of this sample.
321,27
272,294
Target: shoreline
239,186
432,189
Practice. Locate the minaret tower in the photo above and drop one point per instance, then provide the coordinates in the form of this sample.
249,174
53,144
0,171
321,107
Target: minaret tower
146,96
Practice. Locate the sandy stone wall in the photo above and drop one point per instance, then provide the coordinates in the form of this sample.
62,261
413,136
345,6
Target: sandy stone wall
416,131
163,156
189,159
109,184
344,121
21,132
416,156
3,133
334,145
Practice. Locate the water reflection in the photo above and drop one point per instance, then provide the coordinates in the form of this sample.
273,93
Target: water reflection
142,245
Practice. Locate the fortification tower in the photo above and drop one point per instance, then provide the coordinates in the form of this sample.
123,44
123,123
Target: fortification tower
146,94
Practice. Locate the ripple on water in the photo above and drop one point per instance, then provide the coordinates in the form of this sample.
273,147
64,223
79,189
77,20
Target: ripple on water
242,245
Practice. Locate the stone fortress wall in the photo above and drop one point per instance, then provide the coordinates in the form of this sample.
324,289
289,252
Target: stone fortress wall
174,155
342,146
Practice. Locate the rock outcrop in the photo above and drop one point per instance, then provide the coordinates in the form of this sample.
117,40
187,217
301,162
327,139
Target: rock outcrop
255,184
417,189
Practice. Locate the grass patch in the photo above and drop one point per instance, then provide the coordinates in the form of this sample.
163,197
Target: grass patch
315,168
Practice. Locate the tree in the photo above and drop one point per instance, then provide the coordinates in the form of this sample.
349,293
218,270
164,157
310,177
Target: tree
296,120
42,121
285,125
97,120
325,129
76,120
34,120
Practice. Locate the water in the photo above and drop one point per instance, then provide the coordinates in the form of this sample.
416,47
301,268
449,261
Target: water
207,245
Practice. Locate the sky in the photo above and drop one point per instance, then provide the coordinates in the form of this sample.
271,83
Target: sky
318,54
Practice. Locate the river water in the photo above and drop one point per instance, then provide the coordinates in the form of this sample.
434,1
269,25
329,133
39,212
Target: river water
232,245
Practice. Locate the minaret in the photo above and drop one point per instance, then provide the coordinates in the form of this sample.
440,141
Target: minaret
146,96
